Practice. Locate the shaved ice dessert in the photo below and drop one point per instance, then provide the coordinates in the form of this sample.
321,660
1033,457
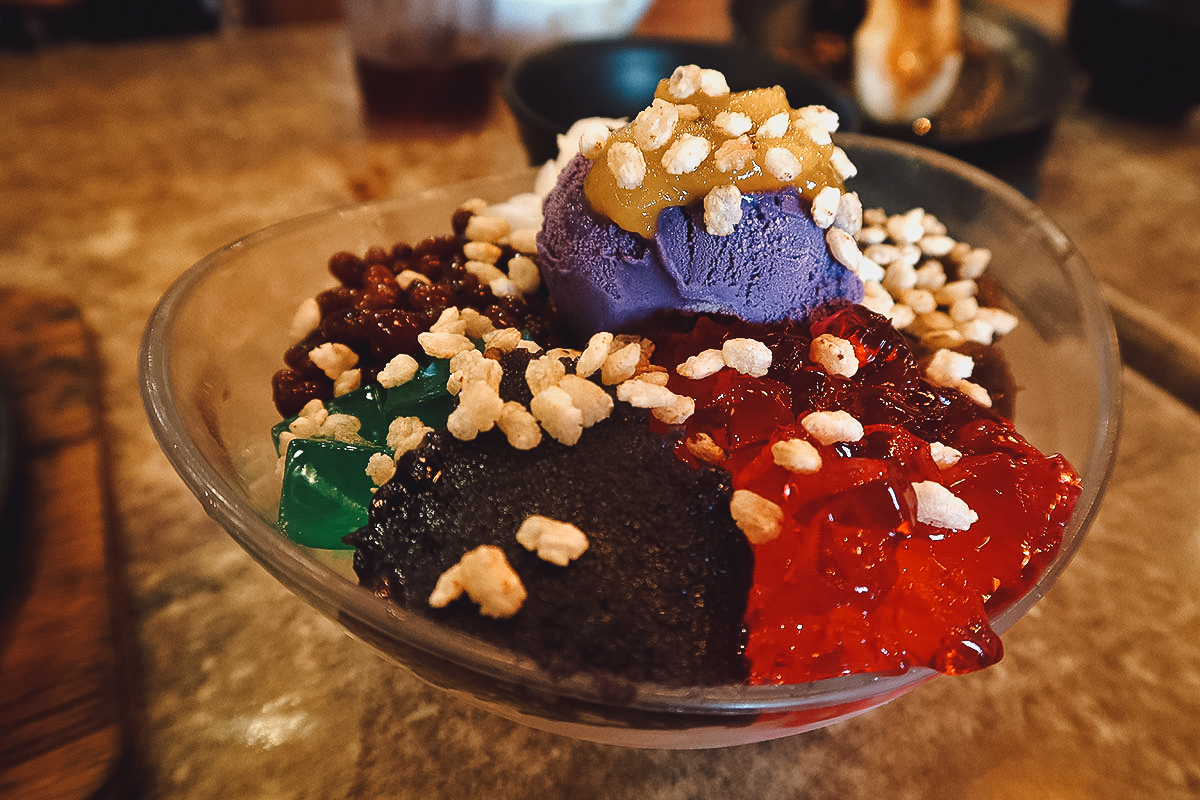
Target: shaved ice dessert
699,419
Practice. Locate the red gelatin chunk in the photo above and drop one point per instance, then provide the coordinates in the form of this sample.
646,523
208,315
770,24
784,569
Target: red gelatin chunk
855,582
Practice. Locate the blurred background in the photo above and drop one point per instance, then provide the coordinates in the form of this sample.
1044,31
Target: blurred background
1140,55
140,135
31,23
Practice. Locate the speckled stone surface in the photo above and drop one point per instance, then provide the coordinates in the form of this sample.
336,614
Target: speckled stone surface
139,159
1124,191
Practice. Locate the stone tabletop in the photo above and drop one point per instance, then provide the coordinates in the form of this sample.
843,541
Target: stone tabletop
122,165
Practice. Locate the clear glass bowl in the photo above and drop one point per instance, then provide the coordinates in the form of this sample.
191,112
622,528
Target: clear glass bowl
218,334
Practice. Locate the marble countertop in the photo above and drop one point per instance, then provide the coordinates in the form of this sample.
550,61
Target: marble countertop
125,164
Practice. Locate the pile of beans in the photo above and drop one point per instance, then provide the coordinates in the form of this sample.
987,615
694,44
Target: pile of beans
378,310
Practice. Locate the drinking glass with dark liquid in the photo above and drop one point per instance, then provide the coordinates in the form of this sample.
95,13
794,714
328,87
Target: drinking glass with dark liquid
423,62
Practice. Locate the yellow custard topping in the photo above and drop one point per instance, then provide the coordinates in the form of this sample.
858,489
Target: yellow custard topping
698,136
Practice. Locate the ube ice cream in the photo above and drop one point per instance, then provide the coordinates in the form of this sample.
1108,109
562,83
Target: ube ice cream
709,202
774,266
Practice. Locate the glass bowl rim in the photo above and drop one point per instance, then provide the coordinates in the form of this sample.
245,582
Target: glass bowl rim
322,587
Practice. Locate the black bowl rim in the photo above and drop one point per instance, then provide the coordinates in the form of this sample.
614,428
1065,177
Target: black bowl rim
691,50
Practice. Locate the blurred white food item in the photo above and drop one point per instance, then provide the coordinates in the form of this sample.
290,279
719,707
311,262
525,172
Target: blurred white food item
522,25
907,57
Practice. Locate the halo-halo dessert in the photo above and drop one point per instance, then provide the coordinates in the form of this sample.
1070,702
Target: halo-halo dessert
695,493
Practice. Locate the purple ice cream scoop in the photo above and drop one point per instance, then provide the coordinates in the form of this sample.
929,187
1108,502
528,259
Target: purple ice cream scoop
775,264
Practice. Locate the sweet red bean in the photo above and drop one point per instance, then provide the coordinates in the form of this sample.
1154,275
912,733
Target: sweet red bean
337,299
350,326
377,255
291,391
394,331
380,289
347,268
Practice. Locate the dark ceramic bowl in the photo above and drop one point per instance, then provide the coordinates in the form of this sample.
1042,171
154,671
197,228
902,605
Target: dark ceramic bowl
1016,83
1128,47
7,451
551,88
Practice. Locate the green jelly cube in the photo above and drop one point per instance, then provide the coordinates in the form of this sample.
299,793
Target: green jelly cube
433,412
326,491
425,396
429,382
365,403
280,428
